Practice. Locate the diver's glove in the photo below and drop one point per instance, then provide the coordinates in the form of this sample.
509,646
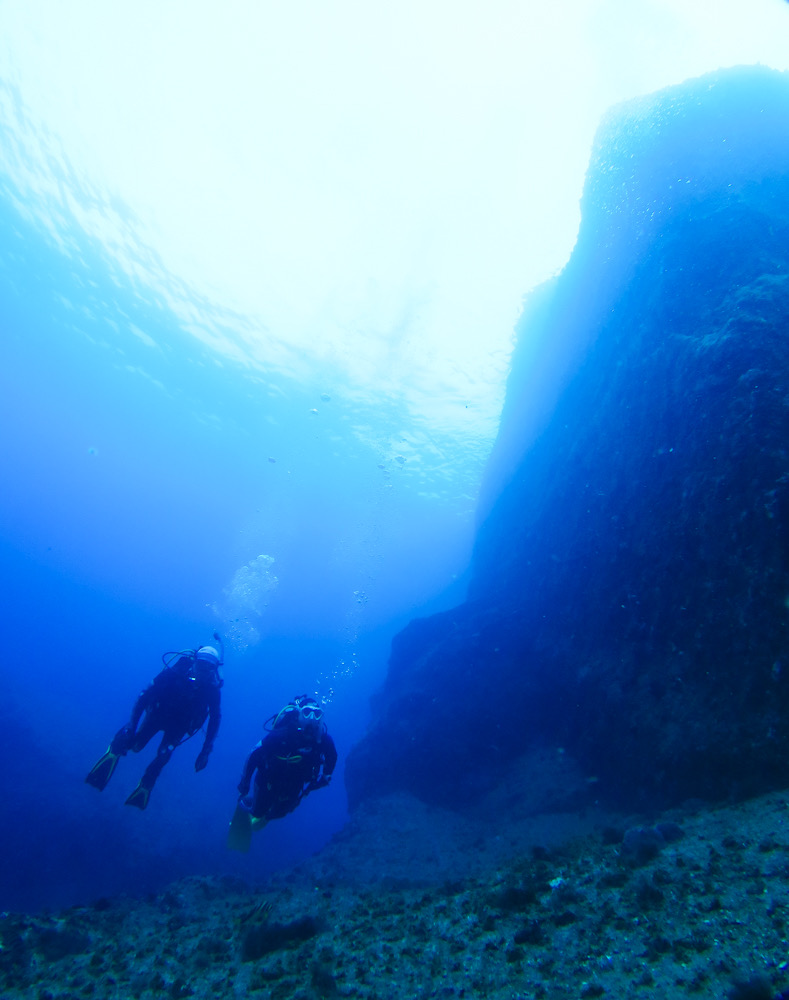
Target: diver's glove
321,782
202,759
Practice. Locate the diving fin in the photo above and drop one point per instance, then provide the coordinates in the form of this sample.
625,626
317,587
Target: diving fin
239,836
103,769
139,797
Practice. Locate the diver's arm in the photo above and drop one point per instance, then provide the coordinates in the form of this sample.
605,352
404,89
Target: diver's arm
329,756
250,766
323,771
211,730
214,718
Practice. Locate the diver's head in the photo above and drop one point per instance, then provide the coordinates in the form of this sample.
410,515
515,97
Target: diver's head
303,714
310,713
209,655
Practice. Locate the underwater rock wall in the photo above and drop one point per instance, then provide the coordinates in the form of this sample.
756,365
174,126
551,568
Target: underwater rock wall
628,606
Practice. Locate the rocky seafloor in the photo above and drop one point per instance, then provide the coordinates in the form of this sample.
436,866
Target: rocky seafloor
413,902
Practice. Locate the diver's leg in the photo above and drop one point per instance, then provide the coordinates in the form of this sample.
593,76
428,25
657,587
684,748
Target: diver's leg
149,728
261,806
139,797
104,768
250,815
267,808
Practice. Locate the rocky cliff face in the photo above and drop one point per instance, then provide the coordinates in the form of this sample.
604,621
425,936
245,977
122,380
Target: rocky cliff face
629,605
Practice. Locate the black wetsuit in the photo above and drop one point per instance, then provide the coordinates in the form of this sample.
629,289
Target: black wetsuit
289,763
176,703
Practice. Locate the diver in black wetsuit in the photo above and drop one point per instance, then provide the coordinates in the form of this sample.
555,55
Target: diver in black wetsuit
296,757
176,703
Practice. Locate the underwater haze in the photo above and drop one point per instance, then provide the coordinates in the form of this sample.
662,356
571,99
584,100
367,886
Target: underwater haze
176,464
154,495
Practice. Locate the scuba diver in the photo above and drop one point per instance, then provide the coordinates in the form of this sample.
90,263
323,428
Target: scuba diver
176,703
295,757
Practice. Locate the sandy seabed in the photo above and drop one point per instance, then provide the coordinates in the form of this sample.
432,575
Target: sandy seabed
410,902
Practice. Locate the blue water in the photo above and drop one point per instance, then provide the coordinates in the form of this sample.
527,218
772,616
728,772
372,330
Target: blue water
157,486
156,489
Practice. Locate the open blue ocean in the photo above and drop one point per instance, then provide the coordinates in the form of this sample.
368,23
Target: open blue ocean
156,492
551,653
